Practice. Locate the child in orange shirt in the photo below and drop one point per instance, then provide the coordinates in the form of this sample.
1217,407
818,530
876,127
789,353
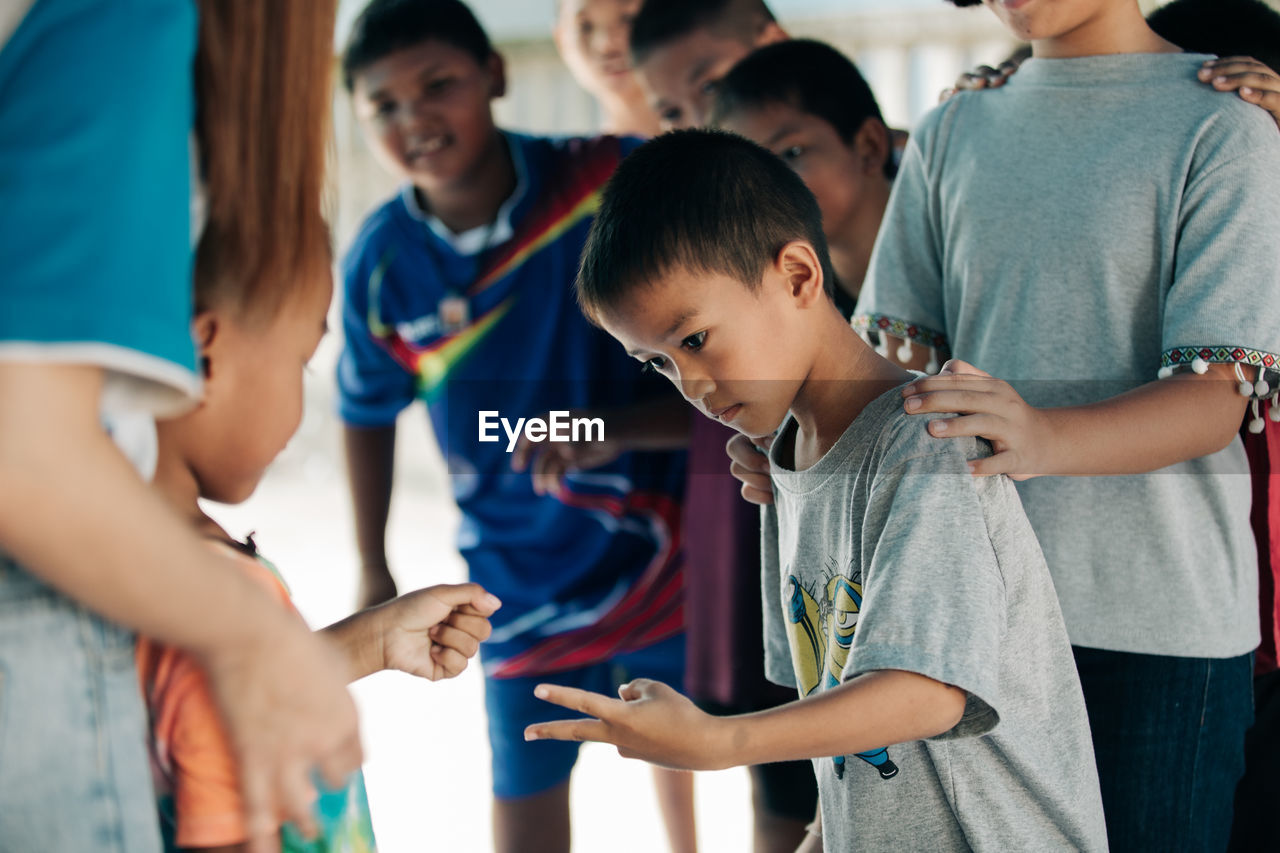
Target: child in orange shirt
254,344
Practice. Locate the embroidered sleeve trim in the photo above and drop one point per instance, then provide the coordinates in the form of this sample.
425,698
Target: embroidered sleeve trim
900,329
1220,355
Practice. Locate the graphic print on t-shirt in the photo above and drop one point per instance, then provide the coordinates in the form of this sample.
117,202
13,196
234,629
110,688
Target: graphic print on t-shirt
820,626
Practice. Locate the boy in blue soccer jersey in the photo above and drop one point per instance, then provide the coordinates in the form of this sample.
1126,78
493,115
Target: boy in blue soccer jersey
458,291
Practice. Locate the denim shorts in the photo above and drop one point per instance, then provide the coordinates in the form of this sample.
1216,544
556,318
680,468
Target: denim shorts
74,769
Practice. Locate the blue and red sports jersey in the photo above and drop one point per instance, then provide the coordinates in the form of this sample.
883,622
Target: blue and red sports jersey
595,570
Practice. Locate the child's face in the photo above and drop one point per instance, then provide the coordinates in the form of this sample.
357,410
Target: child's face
252,403
425,112
732,352
592,38
1034,20
679,78
835,171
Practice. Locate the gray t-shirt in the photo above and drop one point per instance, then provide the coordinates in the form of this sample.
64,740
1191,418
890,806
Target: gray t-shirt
888,554
1071,232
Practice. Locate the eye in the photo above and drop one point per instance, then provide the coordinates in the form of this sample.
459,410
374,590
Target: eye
653,365
440,84
710,86
382,109
694,342
792,153
671,115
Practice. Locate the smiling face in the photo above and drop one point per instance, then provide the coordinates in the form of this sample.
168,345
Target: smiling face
426,114
835,171
738,355
592,38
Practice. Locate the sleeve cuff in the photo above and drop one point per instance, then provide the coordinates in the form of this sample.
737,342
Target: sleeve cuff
980,714
900,328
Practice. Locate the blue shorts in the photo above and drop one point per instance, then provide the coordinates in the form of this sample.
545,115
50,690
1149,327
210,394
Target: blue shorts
522,768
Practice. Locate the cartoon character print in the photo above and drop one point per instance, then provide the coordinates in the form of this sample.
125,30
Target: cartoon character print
822,628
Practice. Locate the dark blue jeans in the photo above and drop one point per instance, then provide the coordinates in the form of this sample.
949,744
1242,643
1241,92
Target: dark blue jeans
1168,734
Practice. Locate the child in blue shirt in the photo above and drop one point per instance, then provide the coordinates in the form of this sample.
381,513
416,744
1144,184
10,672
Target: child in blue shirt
458,292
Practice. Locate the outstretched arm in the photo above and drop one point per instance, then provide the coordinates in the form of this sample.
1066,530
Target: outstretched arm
430,633
653,722
1126,434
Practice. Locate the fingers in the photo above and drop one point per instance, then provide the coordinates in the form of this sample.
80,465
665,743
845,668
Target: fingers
450,661
753,477
583,701
472,596
742,450
476,626
298,797
959,399
342,762
460,641
260,818
958,367
549,468
1000,463
579,730
640,688
759,497
985,426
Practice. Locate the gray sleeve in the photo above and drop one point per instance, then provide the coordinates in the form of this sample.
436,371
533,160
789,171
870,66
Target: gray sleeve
902,293
1222,304
933,596
777,650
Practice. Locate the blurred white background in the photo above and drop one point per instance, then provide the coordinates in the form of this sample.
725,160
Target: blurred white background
428,756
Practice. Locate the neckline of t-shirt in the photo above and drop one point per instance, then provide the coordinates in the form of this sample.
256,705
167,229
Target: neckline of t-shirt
853,441
473,241
1113,68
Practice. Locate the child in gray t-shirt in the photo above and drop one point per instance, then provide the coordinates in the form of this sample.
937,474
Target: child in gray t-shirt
906,600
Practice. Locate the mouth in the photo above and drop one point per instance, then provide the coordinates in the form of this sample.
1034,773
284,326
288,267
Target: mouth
727,414
427,148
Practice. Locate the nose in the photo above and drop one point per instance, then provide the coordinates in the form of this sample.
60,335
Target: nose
695,386
611,41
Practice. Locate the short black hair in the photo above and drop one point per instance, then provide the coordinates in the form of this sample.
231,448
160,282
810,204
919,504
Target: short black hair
1222,27
385,26
660,22
813,77
703,201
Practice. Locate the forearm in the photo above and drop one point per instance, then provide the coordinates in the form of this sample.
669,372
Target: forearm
359,637
77,515
370,467
870,712
1151,427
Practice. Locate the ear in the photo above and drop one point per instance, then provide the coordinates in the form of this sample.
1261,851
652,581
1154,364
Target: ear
497,68
798,264
872,145
205,330
771,33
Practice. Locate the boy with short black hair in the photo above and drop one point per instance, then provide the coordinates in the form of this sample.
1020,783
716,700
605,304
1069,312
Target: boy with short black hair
681,49
457,292
907,600
808,103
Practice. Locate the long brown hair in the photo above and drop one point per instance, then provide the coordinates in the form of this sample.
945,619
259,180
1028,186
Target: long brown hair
263,72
